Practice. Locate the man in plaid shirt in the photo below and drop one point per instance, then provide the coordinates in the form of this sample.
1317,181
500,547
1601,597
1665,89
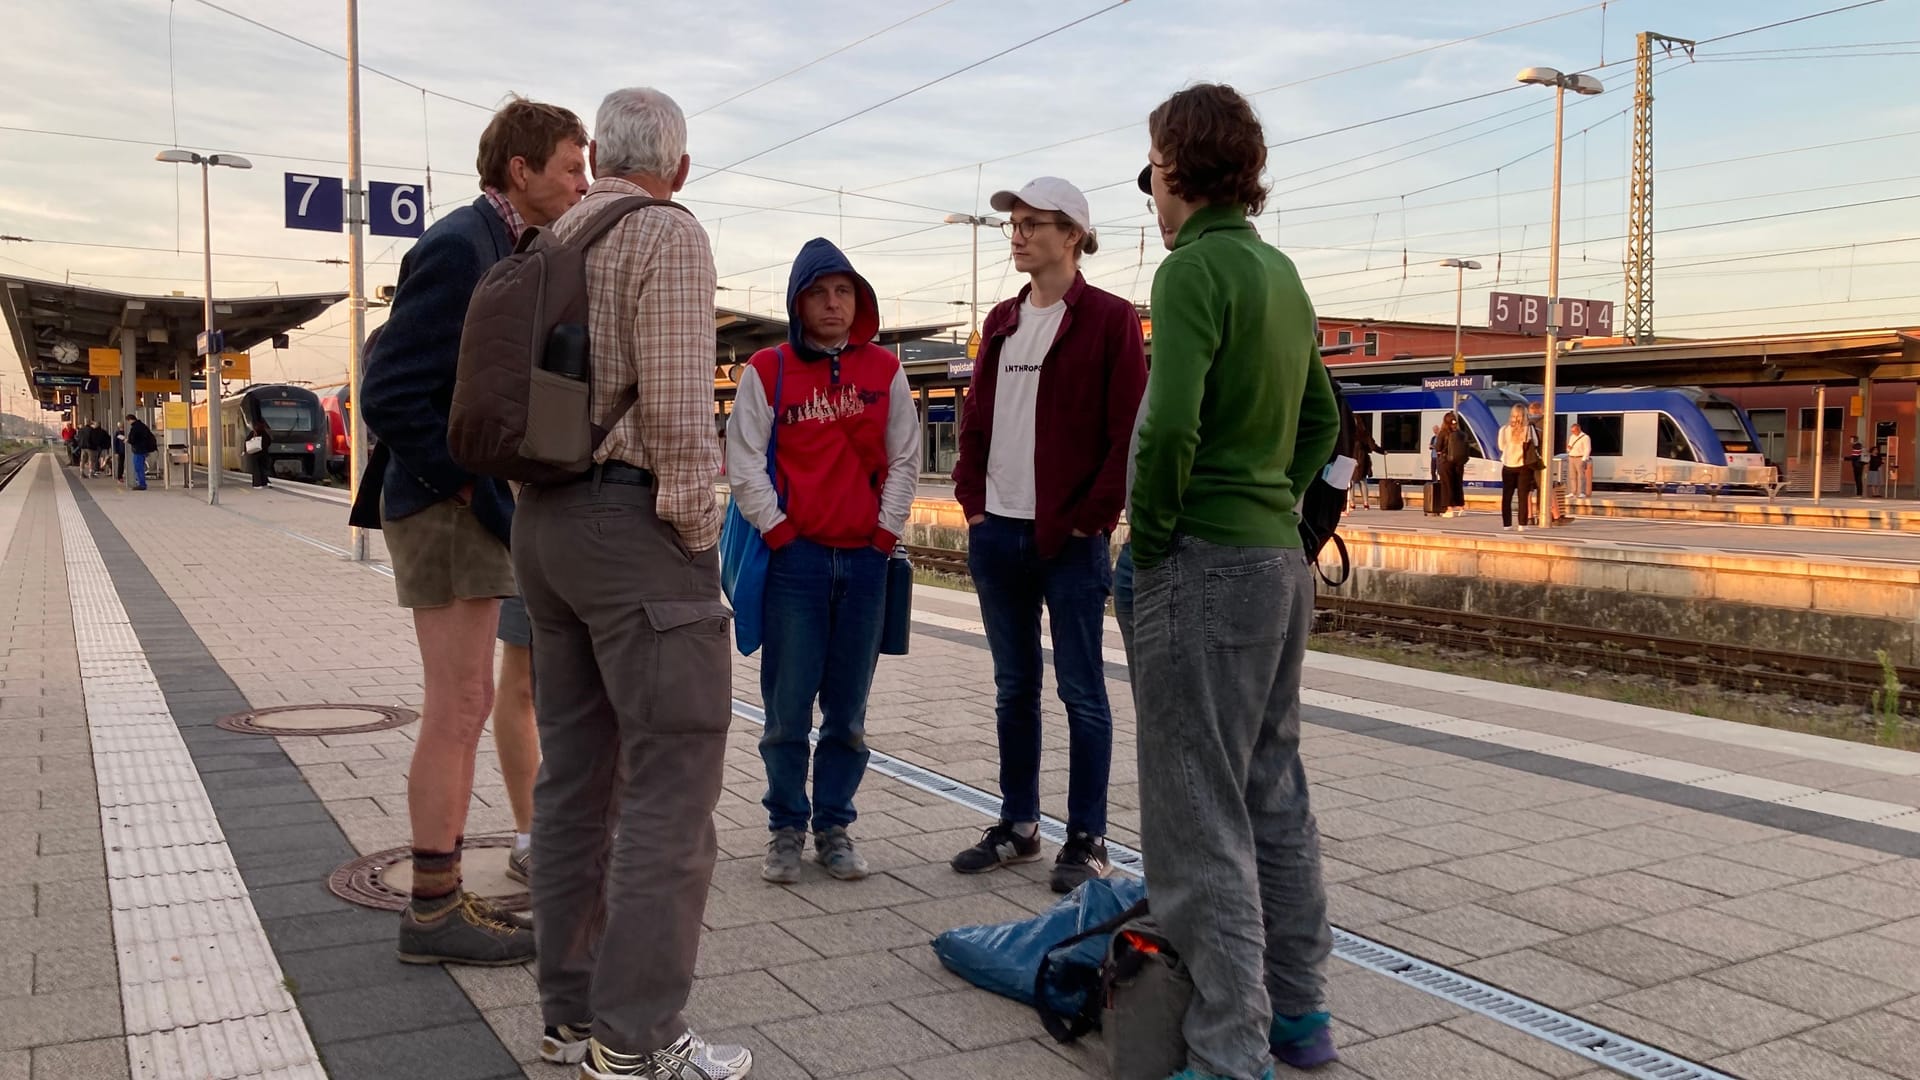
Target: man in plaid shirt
621,574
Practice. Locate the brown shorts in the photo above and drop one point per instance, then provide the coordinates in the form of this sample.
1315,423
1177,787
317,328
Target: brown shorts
441,554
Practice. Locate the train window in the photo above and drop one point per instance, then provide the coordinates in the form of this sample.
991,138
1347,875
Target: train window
1607,432
287,417
1673,445
1725,419
1400,433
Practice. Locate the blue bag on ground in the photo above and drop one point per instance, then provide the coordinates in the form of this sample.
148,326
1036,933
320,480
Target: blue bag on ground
1052,961
743,551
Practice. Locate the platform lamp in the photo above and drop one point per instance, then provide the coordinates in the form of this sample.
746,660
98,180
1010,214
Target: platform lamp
1460,268
1585,85
215,452
976,221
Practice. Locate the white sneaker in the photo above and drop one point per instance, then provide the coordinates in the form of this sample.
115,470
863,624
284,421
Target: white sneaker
1519,528
689,1058
566,1044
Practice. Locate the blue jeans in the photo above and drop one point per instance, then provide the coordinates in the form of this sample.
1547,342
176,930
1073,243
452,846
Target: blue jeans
1219,640
1013,581
139,471
825,610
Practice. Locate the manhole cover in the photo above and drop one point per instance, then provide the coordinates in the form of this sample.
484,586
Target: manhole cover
317,719
384,880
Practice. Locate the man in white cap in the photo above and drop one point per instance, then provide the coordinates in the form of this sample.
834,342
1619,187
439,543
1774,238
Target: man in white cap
1042,477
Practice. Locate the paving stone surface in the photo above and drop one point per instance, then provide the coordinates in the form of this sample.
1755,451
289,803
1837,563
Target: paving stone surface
1755,947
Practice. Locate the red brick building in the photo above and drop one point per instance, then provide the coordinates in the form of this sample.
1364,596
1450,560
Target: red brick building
1387,339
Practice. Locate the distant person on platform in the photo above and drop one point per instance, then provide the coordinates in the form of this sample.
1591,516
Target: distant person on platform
119,451
446,529
847,459
140,443
1042,478
1453,462
1857,461
1516,477
1536,419
73,447
1580,456
258,461
1240,415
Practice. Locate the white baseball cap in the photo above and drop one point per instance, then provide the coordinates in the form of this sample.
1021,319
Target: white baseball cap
1048,193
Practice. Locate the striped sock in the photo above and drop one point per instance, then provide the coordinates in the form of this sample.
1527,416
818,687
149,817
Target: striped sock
436,882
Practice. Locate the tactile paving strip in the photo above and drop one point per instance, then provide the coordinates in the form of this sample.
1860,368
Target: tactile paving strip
202,995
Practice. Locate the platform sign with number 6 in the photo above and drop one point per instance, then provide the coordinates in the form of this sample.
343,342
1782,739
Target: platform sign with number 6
396,209
313,202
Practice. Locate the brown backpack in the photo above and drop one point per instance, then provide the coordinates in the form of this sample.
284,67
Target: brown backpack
522,401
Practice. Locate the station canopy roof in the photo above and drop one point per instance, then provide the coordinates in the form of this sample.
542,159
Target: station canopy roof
52,324
740,334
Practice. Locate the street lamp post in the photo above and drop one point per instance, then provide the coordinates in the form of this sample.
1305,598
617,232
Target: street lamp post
976,221
1460,268
215,451
1561,83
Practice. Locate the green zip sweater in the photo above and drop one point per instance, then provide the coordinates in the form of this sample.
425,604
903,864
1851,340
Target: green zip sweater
1239,412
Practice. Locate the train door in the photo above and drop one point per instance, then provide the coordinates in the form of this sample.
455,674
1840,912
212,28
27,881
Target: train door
1607,434
1370,422
1639,443
1771,426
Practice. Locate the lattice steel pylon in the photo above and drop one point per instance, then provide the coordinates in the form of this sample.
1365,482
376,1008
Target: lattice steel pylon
1639,262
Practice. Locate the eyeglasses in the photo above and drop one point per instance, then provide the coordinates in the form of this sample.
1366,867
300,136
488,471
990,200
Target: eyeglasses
1025,228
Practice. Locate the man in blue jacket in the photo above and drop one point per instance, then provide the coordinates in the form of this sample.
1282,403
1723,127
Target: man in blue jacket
447,529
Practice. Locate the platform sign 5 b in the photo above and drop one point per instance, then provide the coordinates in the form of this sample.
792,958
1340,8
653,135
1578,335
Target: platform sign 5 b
318,203
1522,313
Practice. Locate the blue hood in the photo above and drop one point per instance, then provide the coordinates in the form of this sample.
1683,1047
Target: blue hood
818,258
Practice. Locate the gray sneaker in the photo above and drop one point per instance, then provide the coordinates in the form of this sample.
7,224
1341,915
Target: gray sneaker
834,850
520,865
474,931
689,1058
783,856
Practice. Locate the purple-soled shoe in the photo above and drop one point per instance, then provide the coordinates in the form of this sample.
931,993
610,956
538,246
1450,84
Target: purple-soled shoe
1303,1042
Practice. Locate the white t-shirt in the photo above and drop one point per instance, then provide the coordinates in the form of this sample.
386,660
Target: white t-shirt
1016,399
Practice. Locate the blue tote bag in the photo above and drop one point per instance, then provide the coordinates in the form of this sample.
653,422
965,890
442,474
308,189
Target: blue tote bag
743,551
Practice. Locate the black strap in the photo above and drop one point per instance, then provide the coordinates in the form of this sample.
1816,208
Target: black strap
1066,1029
1346,567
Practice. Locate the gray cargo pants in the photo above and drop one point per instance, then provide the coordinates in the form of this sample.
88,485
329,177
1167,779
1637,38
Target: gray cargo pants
634,698
1218,638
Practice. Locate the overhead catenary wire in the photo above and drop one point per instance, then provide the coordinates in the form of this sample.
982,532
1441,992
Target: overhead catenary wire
790,72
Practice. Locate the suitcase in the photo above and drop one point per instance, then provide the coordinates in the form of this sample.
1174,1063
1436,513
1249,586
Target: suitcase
1432,495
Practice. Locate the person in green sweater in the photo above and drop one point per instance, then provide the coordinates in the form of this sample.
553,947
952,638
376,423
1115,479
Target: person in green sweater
1239,417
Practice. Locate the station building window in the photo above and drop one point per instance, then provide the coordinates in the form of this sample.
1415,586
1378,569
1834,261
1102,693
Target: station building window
1344,337
1373,345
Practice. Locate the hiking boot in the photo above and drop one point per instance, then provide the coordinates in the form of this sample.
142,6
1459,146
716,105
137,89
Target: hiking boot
1001,845
833,849
566,1044
473,931
783,856
1083,858
520,866
689,1058
1303,1042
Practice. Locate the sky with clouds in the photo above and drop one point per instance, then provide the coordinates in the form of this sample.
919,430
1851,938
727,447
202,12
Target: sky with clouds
1766,144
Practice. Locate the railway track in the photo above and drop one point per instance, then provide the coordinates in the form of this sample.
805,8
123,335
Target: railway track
1830,679
12,464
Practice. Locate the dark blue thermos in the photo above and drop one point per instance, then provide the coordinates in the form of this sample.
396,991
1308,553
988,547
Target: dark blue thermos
898,627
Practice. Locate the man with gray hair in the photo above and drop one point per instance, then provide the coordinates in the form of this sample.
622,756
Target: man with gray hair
621,574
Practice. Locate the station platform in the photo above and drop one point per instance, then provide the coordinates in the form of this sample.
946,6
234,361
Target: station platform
1671,890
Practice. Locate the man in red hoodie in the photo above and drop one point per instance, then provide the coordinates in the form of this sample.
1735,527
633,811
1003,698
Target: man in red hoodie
1042,478
846,457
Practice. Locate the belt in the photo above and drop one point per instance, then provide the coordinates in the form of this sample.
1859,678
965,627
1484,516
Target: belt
619,472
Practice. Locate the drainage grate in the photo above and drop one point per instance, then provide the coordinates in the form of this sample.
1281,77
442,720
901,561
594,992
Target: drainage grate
364,881
1596,1044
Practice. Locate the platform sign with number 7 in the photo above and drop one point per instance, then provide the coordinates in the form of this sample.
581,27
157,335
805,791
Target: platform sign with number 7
396,209
314,202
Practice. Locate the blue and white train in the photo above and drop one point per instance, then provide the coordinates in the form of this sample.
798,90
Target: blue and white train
1644,438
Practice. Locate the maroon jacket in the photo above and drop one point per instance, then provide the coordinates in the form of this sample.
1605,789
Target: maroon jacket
1091,383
